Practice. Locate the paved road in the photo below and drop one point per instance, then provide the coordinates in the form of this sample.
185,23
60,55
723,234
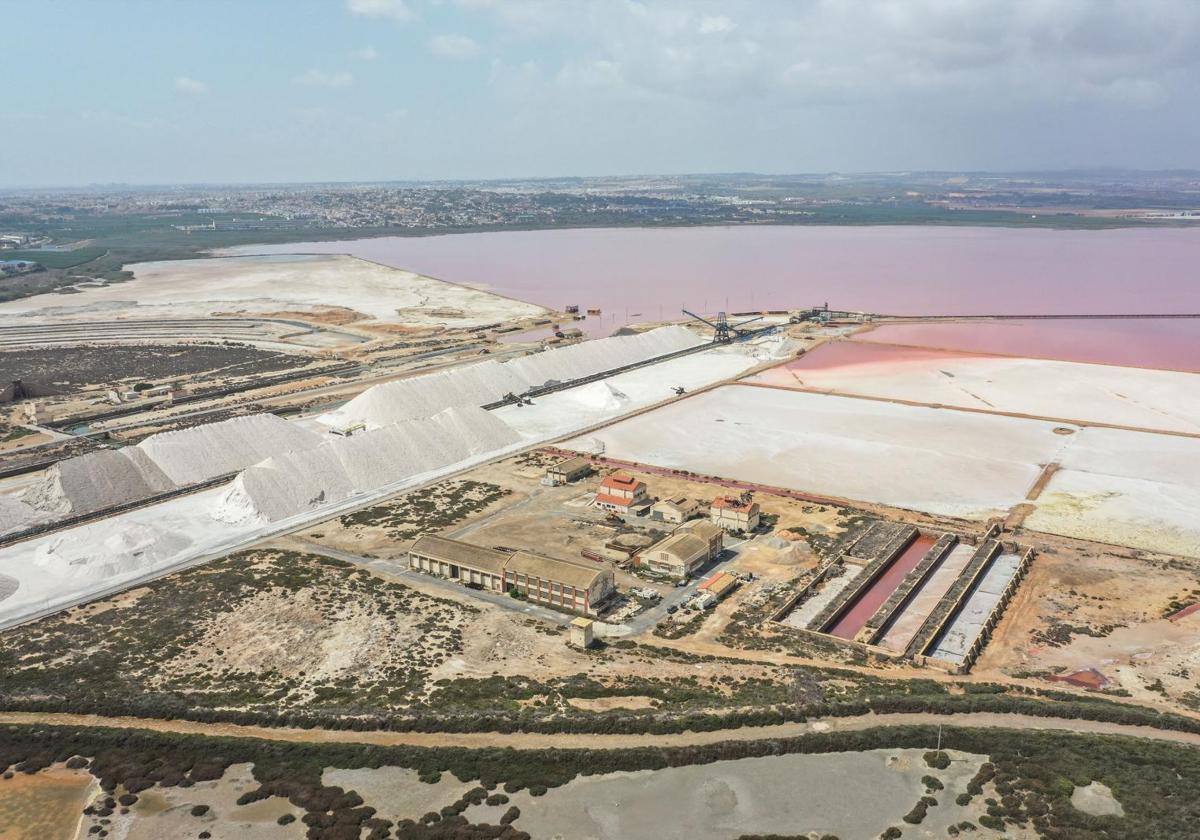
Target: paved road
567,740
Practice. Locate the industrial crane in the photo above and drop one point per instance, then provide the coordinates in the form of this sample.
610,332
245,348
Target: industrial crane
724,331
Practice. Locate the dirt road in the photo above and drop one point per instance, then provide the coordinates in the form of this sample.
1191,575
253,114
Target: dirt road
527,740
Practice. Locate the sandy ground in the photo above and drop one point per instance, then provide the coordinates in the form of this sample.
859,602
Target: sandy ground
396,793
943,462
846,794
1135,397
164,813
1125,488
1081,610
47,805
298,284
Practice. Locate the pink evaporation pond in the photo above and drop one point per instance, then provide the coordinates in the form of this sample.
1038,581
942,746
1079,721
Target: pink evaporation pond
1166,343
649,274
854,618
845,356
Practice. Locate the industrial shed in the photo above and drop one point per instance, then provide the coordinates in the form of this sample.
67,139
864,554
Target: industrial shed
675,510
472,564
572,469
712,534
678,556
565,584
559,583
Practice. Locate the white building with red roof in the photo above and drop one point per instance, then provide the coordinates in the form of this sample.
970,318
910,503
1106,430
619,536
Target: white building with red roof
621,493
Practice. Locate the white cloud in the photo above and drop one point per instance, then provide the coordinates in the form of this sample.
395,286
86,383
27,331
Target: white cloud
319,78
397,10
186,84
1005,53
456,47
716,24
366,54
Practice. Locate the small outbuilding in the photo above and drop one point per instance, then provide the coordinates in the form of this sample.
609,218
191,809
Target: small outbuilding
583,632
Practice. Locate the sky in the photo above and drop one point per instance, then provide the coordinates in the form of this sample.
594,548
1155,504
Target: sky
234,91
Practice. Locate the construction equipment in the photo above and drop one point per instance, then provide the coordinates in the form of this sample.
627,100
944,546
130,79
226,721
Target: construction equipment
723,331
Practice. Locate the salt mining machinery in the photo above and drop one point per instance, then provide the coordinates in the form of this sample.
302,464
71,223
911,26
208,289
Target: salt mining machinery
723,331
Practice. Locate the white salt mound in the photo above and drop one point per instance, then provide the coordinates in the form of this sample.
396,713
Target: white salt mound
202,452
97,480
600,396
130,549
297,481
16,514
485,382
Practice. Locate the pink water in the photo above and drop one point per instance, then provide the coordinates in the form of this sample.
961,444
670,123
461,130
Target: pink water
847,356
1171,343
641,274
854,618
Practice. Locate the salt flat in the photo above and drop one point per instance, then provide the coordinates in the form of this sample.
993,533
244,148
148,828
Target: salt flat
1125,488
260,285
943,462
1123,396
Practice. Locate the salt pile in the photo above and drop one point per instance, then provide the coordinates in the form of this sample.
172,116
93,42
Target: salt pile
423,396
600,396
479,384
301,480
121,552
15,514
192,455
776,347
592,357
95,481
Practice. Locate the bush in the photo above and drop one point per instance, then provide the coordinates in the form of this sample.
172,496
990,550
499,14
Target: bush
932,782
199,810
937,760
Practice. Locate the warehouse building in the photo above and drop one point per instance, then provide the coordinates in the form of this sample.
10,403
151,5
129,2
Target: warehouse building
678,556
559,583
622,493
712,534
472,564
676,510
564,472
564,584
686,550
734,513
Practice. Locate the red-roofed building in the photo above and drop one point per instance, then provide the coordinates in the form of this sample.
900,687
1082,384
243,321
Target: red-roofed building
734,513
621,492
